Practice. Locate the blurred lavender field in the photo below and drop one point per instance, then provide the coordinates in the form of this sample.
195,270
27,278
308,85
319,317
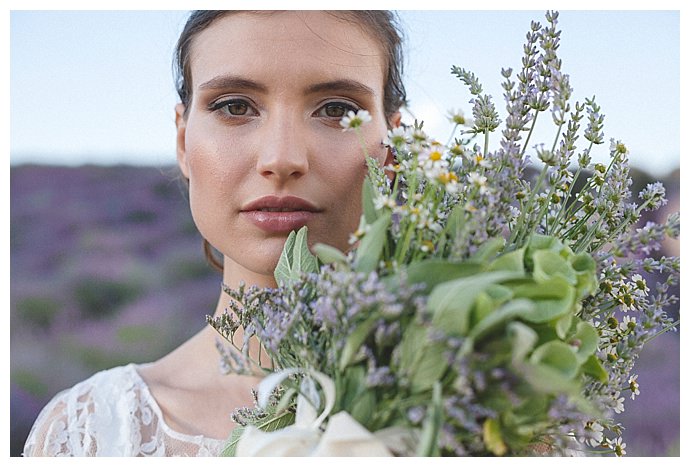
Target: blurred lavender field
107,268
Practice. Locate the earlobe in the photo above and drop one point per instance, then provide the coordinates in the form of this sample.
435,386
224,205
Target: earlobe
181,125
394,120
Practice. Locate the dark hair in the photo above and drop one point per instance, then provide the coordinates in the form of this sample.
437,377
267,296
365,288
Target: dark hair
380,24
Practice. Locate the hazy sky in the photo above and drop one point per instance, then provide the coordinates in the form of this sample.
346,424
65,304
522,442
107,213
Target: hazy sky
96,86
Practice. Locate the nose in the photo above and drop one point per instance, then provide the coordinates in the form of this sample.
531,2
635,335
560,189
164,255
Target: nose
283,149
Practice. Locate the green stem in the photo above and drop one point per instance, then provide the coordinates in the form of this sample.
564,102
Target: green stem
361,142
663,331
529,135
517,235
452,133
621,226
486,143
555,141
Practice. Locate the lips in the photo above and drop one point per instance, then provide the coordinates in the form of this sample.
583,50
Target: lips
275,214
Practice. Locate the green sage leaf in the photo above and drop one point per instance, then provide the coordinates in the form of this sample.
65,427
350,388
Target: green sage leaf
355,340
428,442
512,261
371,245
230,447
328,254
368,208
489,249
552,299
303,259
283,270
451,302
548,264
594,368
522,339
558,356
587,339
436,271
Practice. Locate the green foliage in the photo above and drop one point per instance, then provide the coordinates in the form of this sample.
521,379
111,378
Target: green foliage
99,298
185,269
138,333
295,258
141,216
29,382
371,246
38,311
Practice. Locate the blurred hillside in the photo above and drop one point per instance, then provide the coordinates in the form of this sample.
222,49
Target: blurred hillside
107,268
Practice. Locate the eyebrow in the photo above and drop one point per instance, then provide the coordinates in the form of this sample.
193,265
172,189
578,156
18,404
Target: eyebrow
342,85
231,81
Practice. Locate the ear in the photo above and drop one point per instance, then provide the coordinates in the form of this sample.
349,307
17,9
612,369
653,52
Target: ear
394,120
181,125
390,158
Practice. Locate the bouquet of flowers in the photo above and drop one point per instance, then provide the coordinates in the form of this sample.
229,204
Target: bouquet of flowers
481,310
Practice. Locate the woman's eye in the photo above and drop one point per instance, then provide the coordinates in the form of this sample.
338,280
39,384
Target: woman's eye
237,108
234,108
336,110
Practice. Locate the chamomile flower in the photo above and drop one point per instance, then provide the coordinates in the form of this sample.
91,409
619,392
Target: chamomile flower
478,181
354,120
618,146
458,117
619,447
593,433
640,284
634,386
396,137
628,323
450,182
481,161
384,201
618,402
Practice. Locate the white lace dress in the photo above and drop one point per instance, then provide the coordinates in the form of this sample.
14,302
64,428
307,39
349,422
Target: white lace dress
111,414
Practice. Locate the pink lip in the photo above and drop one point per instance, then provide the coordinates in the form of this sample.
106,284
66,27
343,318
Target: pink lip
295,213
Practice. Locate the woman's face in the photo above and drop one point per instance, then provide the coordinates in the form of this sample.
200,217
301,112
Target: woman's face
261,144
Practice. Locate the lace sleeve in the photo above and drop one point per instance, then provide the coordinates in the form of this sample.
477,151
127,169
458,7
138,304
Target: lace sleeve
110,414
51,434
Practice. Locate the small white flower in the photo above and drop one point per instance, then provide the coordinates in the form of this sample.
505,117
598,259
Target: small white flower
382,201
640,284
418,135
355,120
619,447
458,117
618,146
618,401
396,137
477,180
628,323
634,386
593,434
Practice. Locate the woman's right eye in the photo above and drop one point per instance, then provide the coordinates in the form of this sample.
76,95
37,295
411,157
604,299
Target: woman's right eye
234,108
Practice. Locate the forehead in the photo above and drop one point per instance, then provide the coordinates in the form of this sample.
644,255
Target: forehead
271,46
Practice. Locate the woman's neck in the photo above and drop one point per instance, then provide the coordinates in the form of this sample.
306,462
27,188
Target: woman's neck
233,276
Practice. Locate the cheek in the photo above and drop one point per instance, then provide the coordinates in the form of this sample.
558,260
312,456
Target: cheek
210,188
346,173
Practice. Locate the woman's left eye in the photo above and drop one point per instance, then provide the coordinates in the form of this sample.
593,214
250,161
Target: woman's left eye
335,110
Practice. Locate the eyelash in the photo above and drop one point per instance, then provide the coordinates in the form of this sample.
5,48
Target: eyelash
220,105
346,106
